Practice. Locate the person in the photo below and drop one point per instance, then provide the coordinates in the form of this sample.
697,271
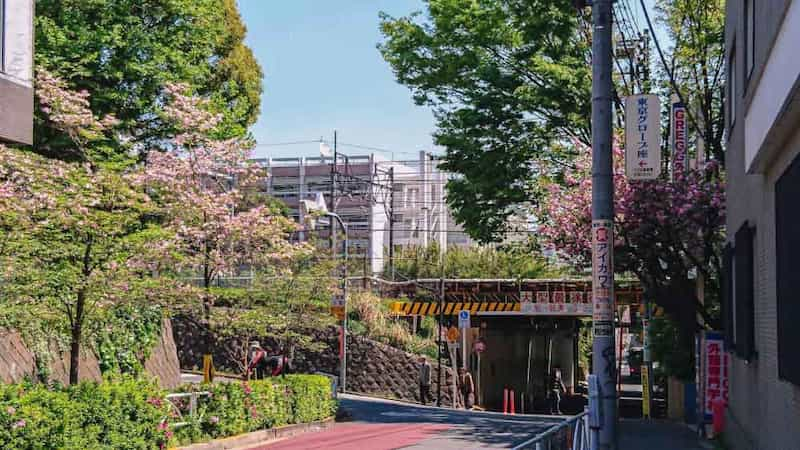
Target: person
424,380
257,366
555,391
278,364
467,388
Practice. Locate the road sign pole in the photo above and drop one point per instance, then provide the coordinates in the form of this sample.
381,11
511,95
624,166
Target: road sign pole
603,225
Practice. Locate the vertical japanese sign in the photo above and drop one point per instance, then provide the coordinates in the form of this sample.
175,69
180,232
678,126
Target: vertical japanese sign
716,371
602,277
642,137
679,138
645,391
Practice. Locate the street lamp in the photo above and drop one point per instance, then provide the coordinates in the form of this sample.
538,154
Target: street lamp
318,205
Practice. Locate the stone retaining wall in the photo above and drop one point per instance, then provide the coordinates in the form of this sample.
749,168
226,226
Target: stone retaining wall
372,367
17,361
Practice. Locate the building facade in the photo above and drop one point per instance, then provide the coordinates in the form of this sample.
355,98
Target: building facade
366,191
16,71
762,288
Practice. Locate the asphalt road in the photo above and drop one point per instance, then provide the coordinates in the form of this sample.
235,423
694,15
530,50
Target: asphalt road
382,424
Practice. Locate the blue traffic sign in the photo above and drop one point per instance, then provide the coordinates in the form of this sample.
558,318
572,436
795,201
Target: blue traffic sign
463,319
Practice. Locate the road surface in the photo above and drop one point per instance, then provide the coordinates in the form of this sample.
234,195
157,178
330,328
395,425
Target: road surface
384,424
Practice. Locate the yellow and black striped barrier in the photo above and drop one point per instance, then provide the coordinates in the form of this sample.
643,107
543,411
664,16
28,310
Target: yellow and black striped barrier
450,308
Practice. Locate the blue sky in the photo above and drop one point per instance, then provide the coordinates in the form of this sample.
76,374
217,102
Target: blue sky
323,72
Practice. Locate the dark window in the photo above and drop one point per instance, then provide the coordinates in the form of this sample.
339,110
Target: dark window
732,87
749,36
727,296
787,224
743,292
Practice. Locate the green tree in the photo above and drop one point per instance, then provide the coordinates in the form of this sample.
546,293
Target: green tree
696,60
125,51
509,82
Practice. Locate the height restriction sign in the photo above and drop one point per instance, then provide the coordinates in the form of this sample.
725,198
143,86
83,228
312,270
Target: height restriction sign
642,137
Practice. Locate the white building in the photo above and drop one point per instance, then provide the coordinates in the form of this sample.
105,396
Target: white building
370,189
16,71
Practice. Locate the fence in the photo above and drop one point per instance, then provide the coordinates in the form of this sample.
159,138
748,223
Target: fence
571,434
176,399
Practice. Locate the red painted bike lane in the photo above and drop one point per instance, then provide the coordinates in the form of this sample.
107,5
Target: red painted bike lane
360,436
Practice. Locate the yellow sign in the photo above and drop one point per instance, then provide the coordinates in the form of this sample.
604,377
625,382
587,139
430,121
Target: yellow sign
338,311
645,391
452,334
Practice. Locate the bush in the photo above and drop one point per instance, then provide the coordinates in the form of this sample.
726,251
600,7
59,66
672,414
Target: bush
132,414
235,408
119,415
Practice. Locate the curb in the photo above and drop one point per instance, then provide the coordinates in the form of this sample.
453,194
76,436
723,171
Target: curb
248,440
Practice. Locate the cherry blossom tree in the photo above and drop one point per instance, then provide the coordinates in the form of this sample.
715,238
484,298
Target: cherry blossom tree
208,189
663,228
68,230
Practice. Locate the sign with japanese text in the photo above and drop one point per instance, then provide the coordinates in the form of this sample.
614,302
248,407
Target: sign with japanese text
645,391
555,303
716,371
642,137
603,276
679,137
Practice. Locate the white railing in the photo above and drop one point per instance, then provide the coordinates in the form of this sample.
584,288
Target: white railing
192,396
558,436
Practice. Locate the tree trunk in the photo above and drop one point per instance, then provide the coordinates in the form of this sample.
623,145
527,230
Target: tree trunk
75,344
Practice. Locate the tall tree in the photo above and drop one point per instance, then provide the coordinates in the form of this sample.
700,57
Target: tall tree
79,224
207,189
125,51
507,79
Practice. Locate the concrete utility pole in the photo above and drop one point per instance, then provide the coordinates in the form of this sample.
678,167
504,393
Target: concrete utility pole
603,357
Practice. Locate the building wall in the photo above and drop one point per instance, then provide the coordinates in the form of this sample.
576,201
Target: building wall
763,411
16,72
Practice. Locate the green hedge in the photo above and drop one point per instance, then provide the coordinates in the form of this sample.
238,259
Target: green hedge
119,415
132,414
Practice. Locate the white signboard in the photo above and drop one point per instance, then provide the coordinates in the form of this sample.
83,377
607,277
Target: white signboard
556,303
642,137
463,319
603,277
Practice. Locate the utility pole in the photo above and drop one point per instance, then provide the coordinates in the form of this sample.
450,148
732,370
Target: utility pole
391,222
334,169
603,354
439,340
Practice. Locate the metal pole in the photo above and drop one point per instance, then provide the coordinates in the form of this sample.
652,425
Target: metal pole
602,224
391,222
334,170
343,369
646,358
439,341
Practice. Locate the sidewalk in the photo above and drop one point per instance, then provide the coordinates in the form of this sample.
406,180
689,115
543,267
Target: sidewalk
637,434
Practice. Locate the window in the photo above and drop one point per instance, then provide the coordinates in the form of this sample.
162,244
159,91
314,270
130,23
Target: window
750,36
732,88
727,297
743,293
787,222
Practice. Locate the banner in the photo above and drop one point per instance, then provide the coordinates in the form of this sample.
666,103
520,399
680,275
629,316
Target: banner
680,138
642,137
715,360
603,277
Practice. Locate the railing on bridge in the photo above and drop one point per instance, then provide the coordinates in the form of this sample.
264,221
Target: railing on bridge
571,434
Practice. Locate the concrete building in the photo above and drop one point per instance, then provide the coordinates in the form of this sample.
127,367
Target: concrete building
762,306
368,190
16,71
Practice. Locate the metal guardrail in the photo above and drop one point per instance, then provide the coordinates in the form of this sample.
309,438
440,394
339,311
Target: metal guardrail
571,434
192,396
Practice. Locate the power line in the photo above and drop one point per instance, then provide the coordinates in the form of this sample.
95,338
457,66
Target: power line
671,74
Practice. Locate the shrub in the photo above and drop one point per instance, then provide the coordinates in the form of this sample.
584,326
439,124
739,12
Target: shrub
133,414
235,408
120,415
